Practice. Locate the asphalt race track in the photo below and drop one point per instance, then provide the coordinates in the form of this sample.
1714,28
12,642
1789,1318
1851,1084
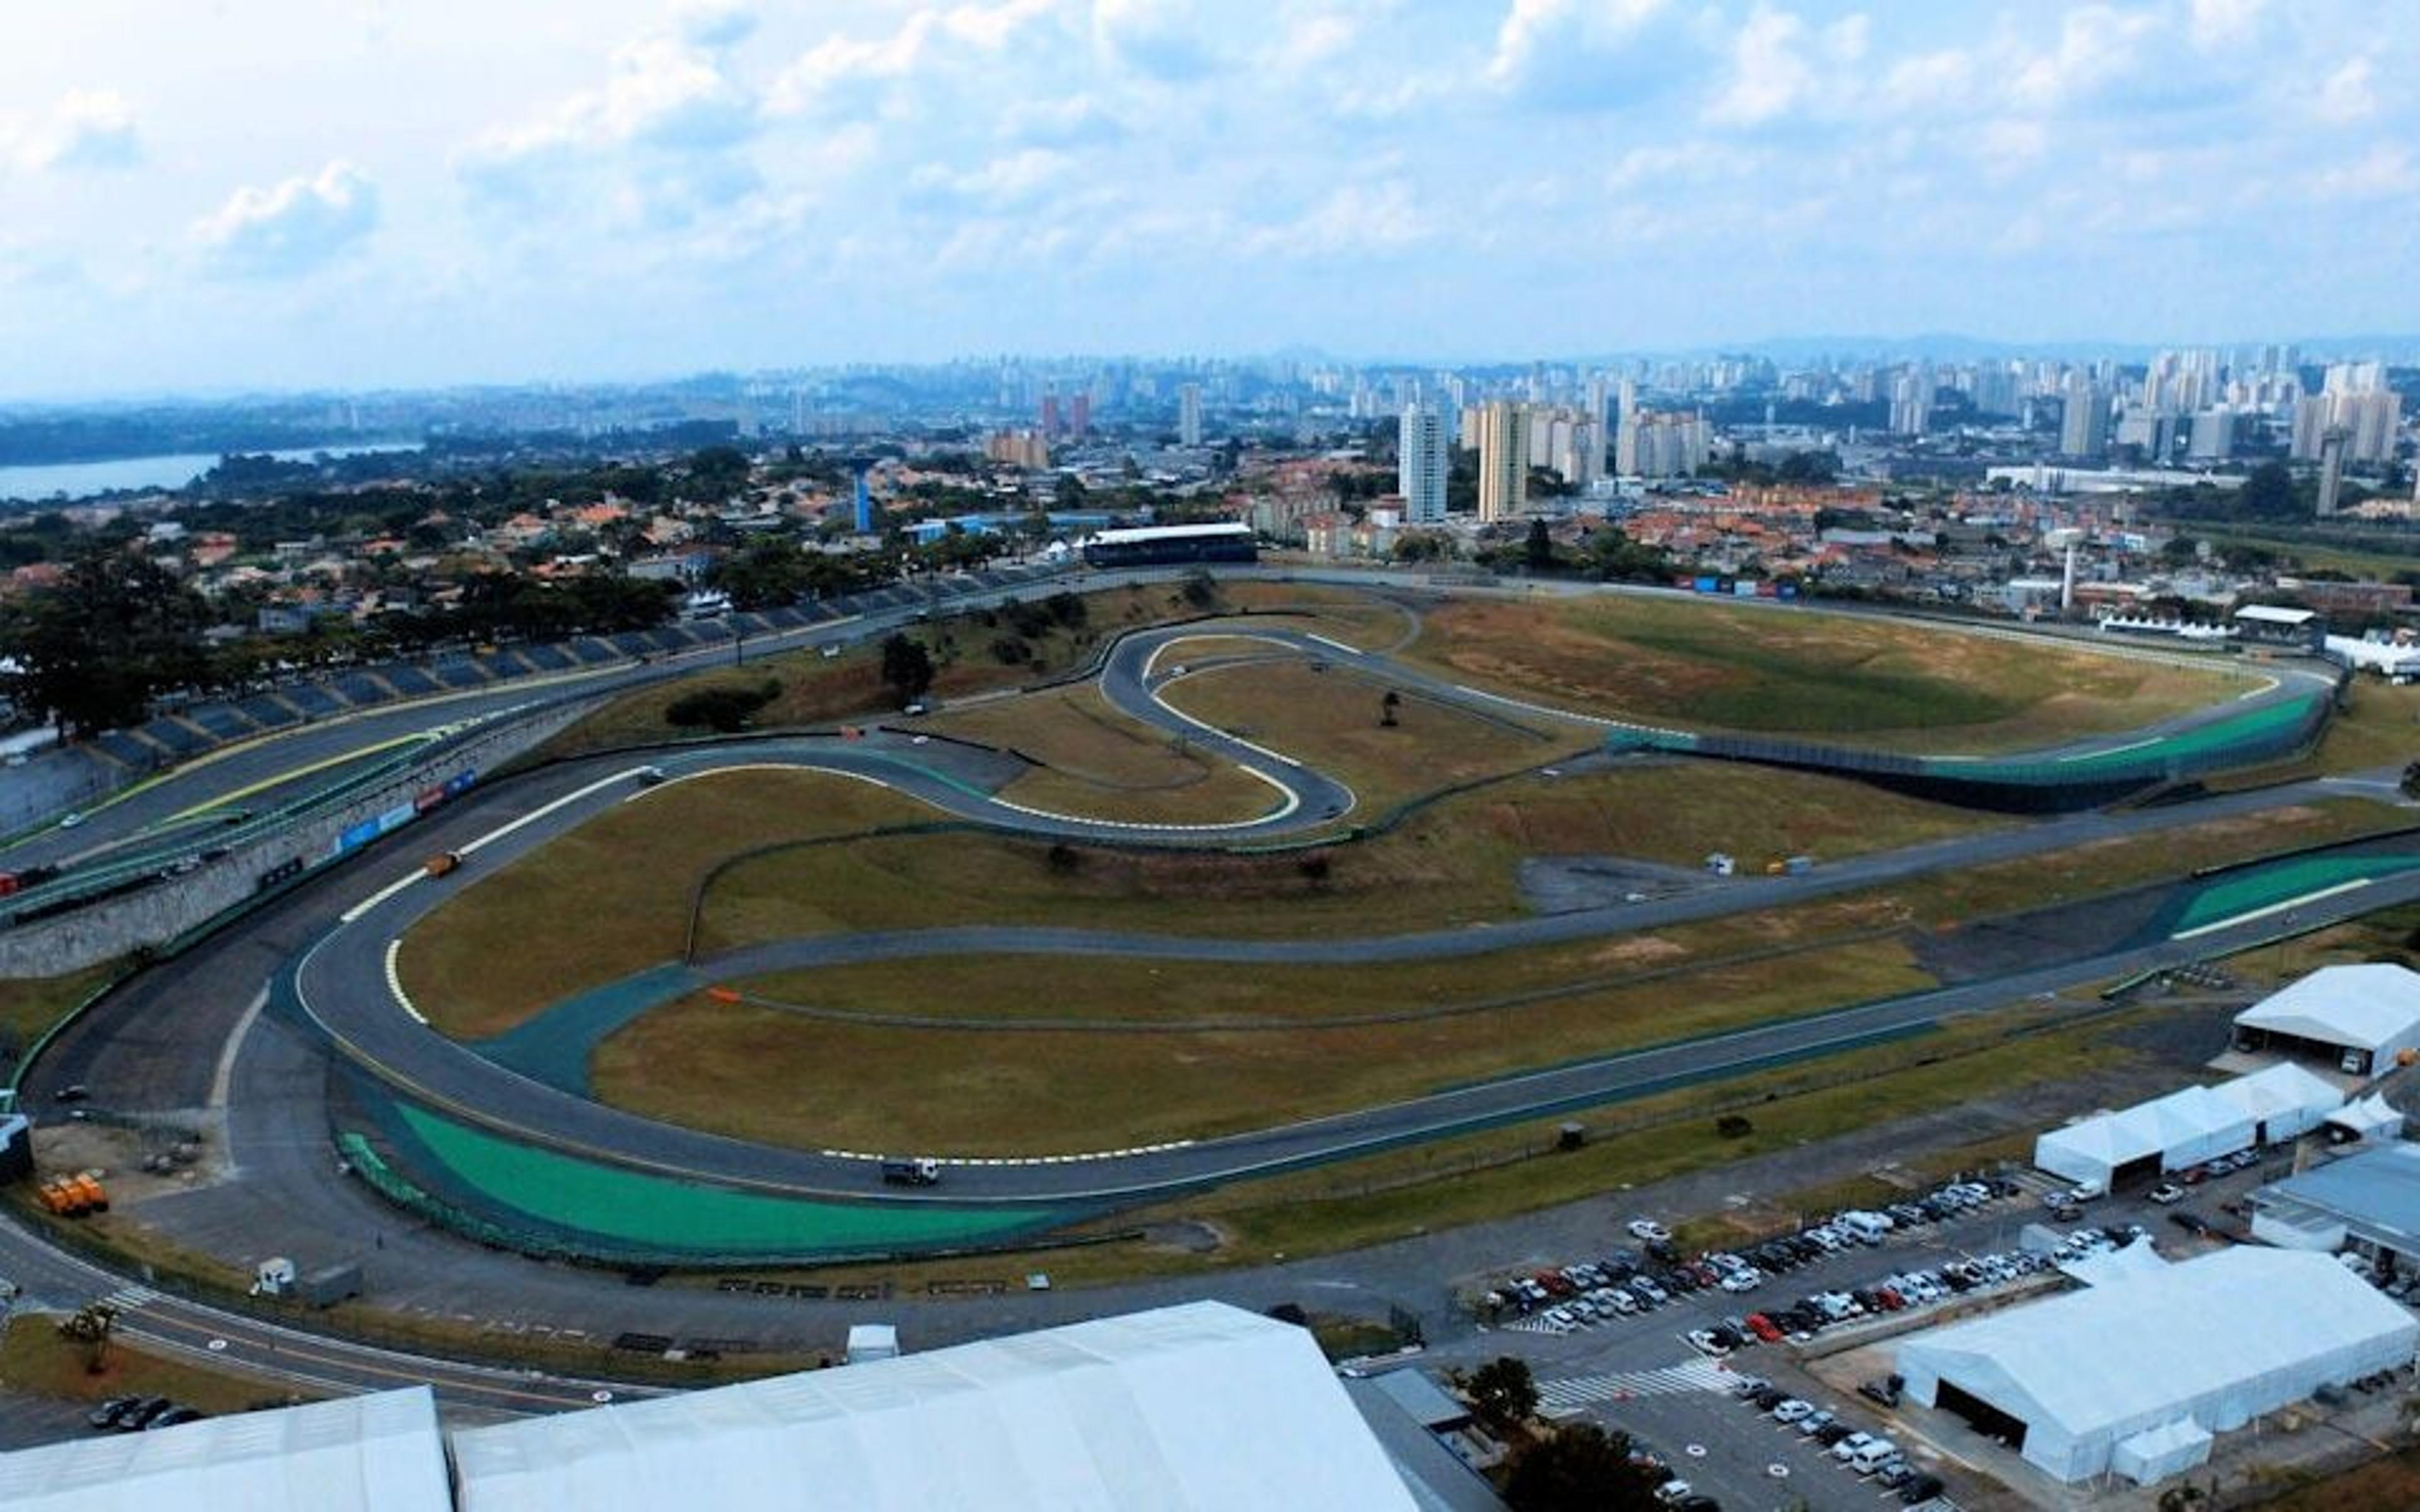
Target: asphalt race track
191,1033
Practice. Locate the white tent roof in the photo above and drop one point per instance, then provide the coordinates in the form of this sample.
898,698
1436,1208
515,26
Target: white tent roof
2284,1088
2226,1319
2371,1006
2131,1263
2180,1120
374,1454
1202,1406
2366,1116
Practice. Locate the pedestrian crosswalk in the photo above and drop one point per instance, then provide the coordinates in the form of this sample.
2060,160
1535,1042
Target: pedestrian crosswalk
129,1297
1560,1398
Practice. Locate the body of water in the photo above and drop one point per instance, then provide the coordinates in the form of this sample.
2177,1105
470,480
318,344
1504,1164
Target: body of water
80,480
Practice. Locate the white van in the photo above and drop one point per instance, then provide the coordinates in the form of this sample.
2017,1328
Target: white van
1867,1226
1873,1456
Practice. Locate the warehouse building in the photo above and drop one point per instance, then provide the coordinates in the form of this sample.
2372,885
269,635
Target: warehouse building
2356,1019
2136,1374
383,1453
2368,1202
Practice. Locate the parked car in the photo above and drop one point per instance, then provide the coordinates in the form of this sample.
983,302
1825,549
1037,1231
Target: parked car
108,1412
1792,1410
1923,1487
174,1417
2166,1192
1650,1230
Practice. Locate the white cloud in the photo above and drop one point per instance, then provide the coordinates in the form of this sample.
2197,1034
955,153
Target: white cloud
1356,220
291,228
1010,182
1541,42
662,132
1161,38
718,24
1769,69
2220,23
2345,94
86,128
842,73
1929,81
2096,46
2383,173
1075,121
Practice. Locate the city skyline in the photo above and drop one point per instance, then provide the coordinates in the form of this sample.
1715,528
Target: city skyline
369,196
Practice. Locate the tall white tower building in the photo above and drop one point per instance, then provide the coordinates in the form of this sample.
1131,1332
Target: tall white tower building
1421,463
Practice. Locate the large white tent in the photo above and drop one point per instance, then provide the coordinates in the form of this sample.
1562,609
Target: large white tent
2283,1101
359,1453
2359,1017
2213,1342
1202,1406
2184,1128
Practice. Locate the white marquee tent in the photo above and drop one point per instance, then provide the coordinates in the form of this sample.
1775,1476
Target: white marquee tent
2283,1099
2184,1128
2366,1014
2213,1342
382,1452
1202,1406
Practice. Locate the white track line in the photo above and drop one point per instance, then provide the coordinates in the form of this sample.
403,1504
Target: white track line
395,982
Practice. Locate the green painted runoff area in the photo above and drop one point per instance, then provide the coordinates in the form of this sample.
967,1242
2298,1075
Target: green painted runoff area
660,1213
2270,722
2271,885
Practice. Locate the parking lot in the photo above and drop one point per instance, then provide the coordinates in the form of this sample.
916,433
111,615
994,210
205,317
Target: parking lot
1657,1372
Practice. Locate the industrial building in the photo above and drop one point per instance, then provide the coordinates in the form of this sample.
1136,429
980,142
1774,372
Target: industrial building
2189,1126
2136,1374
1196,1406
2367,1202
2358,1019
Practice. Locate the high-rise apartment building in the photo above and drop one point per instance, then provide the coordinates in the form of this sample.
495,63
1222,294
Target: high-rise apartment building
1421,463
1189,414
1503,460
2084,426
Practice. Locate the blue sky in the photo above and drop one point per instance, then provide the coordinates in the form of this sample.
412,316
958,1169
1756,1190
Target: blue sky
296,193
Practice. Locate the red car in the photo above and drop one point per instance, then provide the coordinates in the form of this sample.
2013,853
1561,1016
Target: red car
1762,1327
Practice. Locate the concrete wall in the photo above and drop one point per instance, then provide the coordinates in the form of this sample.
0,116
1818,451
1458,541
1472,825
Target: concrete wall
159,914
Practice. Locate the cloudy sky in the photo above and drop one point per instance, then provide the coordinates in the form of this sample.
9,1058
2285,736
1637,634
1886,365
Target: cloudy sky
221,194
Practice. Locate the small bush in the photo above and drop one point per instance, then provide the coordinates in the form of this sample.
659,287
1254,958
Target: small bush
1009,650
723,709
1734,1126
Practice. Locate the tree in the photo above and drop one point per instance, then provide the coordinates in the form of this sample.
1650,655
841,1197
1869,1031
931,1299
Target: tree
1502,1391
2268,493
1201,589
91,1327
117,630
1581,1468
907,669
1537,553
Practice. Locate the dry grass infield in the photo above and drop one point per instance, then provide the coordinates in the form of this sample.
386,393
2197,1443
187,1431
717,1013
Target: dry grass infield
764,1073
1455,862
36,1360
612,897
1843,678
1097,763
